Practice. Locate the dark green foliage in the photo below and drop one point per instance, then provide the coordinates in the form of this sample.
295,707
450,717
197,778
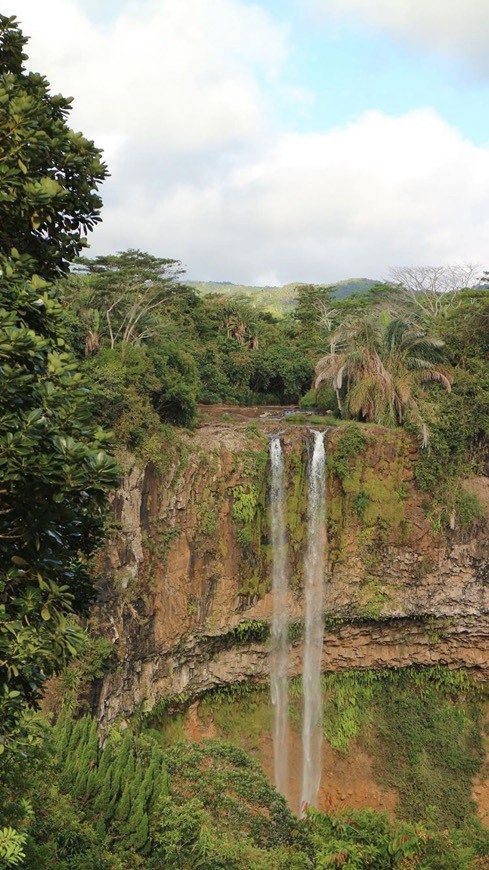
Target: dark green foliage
431,749
115,785
351,442
152,348
462,423
129,289
361,503
124,803
185,837
54,471
175,396
459,424
96,657
469,511
59,835
212,807
132,775
55,477
282,373
245,632
132,316
423,727
48,174
234,791
359,839
323,399
362,839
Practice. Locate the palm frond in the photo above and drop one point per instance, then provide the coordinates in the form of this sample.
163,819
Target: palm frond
439,376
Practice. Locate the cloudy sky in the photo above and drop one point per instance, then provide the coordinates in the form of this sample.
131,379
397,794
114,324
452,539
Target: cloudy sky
280,140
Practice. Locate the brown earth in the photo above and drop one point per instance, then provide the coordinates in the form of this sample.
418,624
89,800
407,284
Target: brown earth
480,791
345,780
238,413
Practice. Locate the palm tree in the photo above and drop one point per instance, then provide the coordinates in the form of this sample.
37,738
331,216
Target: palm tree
239,321
377,364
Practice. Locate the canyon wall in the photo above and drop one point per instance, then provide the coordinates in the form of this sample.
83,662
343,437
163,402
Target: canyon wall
184,586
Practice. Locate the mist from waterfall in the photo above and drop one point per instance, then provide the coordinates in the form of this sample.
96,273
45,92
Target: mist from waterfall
314,625
280,641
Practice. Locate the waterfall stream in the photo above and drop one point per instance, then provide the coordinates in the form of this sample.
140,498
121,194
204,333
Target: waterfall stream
279,649
314,626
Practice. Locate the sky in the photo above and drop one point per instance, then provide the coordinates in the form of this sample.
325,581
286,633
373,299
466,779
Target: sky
275,141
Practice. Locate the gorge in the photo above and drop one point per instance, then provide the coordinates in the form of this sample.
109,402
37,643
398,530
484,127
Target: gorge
185,585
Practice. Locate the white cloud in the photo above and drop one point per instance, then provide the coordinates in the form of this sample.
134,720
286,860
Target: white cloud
175,91
456,28
181,75
354,201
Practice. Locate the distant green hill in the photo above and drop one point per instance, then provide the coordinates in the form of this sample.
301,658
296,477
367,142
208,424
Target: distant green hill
278,299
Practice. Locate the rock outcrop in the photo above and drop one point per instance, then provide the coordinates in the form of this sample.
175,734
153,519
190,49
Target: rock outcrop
184,588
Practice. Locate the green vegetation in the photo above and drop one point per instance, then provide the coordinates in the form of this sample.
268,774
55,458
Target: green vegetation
375,365
153,348
248,631
371,497
139,802
352,442
70,693
50,174
250,516
429,746
423,730
244,504
54,470
280,300
124,343
422,727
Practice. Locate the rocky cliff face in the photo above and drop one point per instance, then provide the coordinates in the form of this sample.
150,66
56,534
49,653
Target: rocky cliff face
184,586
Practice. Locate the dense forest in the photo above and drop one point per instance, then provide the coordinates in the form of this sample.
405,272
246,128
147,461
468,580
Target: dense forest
111,353
152,350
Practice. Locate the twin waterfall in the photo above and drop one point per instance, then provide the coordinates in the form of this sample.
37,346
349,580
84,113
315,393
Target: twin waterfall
313,637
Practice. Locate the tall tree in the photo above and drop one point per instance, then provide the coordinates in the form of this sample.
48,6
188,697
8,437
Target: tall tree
131,290
54,473
433,290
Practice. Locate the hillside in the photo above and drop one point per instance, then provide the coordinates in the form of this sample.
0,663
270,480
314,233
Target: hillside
278,299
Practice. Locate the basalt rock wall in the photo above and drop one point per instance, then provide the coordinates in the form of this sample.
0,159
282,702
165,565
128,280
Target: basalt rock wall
184,586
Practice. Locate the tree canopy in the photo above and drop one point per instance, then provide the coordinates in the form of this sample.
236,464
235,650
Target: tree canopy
377,363
53,468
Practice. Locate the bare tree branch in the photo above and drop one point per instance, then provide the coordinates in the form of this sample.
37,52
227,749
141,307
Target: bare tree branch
434,289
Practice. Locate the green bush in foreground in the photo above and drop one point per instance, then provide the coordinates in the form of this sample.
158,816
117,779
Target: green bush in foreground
135,804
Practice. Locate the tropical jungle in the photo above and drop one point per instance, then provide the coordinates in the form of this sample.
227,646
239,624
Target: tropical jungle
136,412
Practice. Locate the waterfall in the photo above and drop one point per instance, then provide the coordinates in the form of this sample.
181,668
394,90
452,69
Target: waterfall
313,639
279,650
